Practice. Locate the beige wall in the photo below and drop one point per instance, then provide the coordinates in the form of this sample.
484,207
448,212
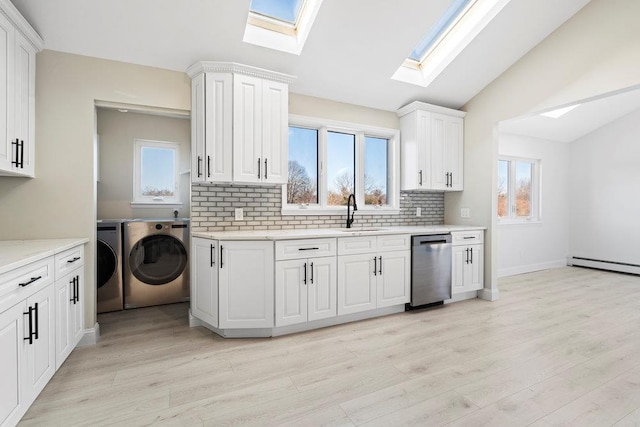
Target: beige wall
594,52
304,105
117,132
61,200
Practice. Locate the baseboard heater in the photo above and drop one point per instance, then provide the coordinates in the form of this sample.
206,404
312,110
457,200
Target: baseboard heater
622,267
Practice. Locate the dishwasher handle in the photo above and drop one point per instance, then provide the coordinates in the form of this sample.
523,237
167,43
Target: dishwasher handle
433,239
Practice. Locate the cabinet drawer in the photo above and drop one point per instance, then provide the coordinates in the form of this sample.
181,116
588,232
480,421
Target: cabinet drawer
296,249
467,237
356,245
69,260
26,280
394,242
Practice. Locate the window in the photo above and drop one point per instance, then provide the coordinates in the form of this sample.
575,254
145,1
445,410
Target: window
155,172
518,189
458,26
328,161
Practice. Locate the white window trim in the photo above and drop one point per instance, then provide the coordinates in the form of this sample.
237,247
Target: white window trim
536,192
147,201
360,131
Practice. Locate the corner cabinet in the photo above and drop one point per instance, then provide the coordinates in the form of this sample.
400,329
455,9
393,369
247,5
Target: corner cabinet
19,44
431,147
467,262
239,124
232,283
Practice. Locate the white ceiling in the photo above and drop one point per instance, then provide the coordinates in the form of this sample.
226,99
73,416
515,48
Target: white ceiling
590,115
352,51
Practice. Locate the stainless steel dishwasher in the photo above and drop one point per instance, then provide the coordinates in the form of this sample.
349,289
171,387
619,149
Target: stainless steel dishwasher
430,269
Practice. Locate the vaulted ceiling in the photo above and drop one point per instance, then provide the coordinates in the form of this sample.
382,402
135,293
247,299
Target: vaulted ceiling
353,49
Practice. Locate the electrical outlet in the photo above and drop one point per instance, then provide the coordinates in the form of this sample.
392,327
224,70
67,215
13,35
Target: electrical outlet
239,214
418,211
464,213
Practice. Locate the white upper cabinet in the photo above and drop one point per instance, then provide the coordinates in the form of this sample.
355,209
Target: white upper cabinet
239,126
19,44
431,147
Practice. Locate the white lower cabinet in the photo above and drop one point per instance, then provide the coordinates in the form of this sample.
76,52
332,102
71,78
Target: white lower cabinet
69,313
204,280
11,362
356,283
246,270
305,290
394,279
467,262
378,277
27,353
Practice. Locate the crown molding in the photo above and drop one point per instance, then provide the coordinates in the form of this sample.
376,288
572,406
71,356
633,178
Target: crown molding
423,106
9,10
233,67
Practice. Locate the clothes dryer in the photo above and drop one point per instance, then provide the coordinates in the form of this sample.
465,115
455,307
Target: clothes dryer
156,262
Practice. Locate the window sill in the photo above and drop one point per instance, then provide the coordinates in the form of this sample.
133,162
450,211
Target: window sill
296,211
519,221
156,204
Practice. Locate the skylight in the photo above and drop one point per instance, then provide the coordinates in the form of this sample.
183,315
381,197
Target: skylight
557,113
461,22
281,24
451,16
282,10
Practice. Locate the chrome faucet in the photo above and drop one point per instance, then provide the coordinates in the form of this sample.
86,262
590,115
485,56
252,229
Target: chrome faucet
349,212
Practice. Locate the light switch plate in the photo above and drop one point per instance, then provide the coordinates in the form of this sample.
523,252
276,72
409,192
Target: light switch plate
239,214
464,213
418,211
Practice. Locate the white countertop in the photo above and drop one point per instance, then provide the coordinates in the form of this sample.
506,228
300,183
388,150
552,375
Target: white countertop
312,233
16,253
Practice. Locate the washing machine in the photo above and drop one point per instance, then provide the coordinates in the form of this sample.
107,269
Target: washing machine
156,262
109,265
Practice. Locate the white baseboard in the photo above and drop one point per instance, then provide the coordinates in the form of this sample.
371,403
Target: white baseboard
90,336
462,297
489,294
605,265
522,269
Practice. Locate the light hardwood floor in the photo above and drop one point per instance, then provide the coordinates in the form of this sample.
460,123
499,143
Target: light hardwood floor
560,347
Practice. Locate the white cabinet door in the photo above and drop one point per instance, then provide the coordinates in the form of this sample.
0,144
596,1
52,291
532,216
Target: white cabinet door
322,288
246,273
204,280
198,128
24,113
292,284
12,404
475,268
275,120
356,283
63,297
247,129
40,352
218,127
76,326
394,278
7,150
446,152
468,268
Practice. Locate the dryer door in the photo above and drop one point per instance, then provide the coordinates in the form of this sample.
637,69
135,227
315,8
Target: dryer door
158,259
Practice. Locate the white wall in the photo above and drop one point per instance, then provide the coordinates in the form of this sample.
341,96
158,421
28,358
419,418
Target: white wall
117,132
595,52
605,192
537,246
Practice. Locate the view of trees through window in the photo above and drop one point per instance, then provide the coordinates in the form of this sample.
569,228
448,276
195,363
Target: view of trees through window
302,185
340,168
157,170
515,185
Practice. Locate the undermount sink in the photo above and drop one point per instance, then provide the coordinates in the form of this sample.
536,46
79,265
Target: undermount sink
359,229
